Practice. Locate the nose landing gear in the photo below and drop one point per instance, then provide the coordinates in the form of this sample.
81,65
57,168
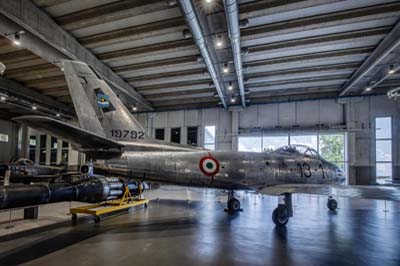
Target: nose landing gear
332,204
233,204
281,214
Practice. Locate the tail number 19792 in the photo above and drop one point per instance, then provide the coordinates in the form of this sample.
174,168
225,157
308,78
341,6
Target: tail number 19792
124,133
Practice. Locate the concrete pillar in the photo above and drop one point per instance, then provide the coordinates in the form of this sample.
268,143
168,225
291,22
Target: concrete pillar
72,156
48,149
59,151
184,135
235,127
37,149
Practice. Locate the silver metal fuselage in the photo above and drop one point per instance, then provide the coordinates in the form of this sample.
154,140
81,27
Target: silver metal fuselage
237,170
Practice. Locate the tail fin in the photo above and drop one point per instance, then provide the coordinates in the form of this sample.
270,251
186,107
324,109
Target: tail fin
98,108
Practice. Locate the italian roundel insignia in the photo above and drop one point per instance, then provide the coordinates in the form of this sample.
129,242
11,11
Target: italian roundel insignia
209,165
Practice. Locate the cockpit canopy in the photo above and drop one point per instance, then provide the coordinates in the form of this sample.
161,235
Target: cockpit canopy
298,149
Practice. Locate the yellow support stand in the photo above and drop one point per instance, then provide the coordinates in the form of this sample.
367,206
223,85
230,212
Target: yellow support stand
127,201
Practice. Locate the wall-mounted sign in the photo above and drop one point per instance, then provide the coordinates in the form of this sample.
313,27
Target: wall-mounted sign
3,137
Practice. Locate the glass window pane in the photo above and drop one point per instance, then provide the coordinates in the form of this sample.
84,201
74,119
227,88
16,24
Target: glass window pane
192,136
176,135
271,143
250,144
308,140
383,127
384,171
160,133
209,134
331,147
383,150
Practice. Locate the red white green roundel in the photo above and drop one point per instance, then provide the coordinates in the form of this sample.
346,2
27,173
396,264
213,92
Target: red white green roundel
209,165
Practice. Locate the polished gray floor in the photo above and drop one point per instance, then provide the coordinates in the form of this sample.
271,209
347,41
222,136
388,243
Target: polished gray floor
199,232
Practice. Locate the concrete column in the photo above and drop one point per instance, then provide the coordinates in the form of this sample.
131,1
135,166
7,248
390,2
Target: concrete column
48,149
59,151
72,156
37,149
183,135
235,128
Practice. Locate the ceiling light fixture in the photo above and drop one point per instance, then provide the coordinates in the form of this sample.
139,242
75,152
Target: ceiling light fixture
230,87
208,1
233,100
58,115
134,108
16,37
219,42
391,69
34,107
2,98
226,69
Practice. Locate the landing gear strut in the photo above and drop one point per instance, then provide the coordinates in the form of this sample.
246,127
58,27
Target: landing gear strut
233,203
332,204
281,214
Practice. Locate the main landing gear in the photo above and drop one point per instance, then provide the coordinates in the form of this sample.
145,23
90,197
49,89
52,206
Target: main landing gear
332,204
281,214
233,203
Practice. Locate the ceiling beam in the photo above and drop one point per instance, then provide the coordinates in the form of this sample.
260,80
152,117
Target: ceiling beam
14,89
48,40
385,47
195,27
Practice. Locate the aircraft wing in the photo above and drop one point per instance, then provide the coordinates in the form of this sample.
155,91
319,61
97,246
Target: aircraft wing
85,141
366,192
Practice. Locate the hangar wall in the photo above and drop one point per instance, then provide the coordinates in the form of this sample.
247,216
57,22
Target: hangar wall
355,115
9,144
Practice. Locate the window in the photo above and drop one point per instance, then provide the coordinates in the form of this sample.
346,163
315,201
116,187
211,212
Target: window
192,136
383,149
209,137
42,156
32,148
176,135
332,148
160,133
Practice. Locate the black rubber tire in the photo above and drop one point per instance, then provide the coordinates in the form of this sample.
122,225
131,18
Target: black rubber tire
96,219
74,217
279,217
234,205
145,205
332,204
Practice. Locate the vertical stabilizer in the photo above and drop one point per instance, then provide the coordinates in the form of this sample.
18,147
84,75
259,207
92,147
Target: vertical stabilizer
98,108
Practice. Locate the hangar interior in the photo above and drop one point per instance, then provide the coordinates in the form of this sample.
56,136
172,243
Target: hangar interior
231,75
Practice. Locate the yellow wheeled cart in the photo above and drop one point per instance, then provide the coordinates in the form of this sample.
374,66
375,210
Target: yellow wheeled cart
127,201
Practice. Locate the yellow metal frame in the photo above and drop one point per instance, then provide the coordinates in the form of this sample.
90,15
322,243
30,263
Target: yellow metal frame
127,201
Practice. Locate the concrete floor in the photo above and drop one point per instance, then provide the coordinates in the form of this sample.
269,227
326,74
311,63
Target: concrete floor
174,231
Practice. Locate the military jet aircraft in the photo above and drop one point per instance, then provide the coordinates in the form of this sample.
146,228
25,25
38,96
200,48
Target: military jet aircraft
22,170
109,131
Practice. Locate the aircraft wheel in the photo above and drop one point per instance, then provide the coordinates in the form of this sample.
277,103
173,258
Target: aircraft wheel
74,217
96,219
280,217
233,205
332,204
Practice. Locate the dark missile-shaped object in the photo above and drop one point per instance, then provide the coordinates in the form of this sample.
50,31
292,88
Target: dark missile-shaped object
92,190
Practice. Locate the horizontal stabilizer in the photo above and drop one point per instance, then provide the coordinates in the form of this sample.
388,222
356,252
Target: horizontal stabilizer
85,141
365,192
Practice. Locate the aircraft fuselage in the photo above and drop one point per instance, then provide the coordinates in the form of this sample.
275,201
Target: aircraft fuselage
226,169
